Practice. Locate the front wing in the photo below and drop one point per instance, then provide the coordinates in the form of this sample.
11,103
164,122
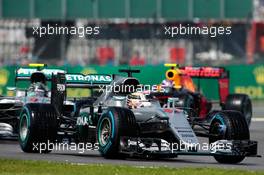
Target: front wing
137,147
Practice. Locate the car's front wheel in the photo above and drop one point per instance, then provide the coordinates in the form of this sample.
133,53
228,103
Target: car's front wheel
228,125
114,123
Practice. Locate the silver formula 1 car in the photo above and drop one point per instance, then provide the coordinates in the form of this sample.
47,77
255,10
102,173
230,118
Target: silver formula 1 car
37,77
125,122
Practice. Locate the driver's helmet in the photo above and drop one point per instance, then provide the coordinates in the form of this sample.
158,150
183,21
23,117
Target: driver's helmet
37,89
137,100
167,83
174,75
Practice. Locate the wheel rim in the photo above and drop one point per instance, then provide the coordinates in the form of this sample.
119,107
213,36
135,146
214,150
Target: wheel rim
23,131
105,131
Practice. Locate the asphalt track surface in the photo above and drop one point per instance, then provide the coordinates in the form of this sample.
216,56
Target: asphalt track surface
11,150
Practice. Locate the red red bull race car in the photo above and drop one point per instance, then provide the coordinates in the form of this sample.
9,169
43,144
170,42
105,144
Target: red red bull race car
179,83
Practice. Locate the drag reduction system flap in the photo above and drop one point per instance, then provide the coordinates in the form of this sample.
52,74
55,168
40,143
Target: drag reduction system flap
87,81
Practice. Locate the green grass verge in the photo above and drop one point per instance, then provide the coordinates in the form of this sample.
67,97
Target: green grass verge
49,168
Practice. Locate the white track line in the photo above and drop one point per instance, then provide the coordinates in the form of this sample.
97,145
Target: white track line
258,119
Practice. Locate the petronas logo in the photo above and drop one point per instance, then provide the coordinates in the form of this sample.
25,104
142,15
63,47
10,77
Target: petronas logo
259,74
4,74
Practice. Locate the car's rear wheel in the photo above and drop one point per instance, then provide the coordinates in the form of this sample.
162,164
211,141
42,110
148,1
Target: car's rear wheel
228,125
241,103
186,102
37,128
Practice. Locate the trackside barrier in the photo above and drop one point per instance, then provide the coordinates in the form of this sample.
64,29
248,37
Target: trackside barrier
247,79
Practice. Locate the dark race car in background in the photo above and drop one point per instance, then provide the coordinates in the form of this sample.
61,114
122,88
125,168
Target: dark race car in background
199,106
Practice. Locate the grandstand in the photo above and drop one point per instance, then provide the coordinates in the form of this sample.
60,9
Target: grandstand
129,31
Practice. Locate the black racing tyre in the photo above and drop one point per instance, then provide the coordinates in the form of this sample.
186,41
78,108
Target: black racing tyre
241,103
37,128
228,125
113,123
185,101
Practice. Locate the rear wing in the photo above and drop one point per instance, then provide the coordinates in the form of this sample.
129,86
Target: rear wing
72,80
205,72
25,73
219,73
61,81
87,81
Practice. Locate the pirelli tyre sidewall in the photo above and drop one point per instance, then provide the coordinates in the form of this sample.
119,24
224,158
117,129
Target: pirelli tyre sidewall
113,123
24,128
228,125
37,125
108,144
